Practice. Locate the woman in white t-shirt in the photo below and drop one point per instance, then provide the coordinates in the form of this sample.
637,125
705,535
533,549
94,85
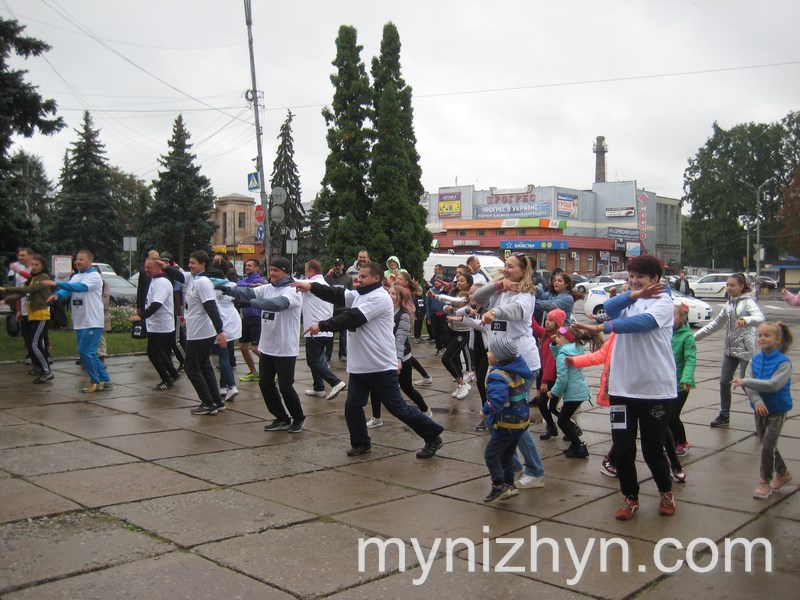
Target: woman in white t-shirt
510,303
641,380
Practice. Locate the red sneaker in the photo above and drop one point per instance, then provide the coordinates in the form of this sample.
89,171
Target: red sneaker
667,506
627,510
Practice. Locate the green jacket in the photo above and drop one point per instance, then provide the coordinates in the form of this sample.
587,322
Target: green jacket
685,351
39,293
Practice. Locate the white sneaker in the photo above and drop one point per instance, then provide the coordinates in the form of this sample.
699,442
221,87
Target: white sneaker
463,391
529,481
469,376
233,391
429,414
424,381
223,393
315,393
373,423
458,389
335,390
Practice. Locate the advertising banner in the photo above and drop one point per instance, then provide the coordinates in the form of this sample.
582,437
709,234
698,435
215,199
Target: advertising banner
450,205
621,211
567,206
505,211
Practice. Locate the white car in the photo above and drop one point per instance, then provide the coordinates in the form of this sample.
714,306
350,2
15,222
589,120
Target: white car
597,282
710,286
700,312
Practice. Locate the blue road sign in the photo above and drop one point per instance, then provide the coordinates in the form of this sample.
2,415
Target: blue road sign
253,182
260,233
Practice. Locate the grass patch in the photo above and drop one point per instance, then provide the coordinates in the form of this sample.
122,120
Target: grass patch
64,345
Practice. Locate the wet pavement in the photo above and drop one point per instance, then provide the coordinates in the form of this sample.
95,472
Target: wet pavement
125,494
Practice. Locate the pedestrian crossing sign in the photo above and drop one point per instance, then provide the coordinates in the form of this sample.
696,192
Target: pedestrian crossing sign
253,182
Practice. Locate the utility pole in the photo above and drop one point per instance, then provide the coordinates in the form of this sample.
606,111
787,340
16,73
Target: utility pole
758,227
248,16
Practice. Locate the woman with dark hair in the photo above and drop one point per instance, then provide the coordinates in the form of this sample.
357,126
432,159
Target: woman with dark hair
641,381
559,294
38,314
740,317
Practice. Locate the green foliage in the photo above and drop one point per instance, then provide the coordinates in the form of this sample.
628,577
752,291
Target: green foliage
311,241
25,191
119,318
179,218
85,215
790,215
345,196
285,175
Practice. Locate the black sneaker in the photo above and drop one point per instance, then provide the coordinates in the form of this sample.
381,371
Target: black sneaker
176,377
278,425
430,448
579,451
297,425
44,377
481,427
550,433
500,492
204,410
220,405
359,450
720,421
163,386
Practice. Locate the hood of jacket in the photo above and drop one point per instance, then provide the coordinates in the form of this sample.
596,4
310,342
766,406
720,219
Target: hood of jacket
395,259
568,349
517,366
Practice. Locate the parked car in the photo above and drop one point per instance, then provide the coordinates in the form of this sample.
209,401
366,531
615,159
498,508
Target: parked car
700,312
134,279
711,286
597,281
123,292
767,282
104,268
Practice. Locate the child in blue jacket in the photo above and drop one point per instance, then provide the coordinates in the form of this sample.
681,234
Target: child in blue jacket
571,386
507,414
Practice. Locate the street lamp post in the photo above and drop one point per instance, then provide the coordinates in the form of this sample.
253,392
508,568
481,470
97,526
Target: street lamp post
758,227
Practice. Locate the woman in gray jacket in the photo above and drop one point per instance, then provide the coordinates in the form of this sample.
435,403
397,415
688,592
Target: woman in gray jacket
740,317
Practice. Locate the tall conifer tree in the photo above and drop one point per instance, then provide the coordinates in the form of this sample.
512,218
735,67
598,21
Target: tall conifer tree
285,175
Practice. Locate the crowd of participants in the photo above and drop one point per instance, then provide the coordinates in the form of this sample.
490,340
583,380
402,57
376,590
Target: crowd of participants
506,335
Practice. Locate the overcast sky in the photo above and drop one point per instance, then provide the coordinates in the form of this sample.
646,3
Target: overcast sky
506,93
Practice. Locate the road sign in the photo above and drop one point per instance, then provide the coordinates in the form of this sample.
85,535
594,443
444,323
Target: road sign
260,214
277,214
278,195
260,233
253,182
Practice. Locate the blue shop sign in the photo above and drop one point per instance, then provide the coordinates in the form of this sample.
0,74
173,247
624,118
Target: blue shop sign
534,245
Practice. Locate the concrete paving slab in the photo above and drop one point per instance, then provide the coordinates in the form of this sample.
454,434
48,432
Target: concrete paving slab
6,418
343,491
327,451
67,411
182,418
249,434
174,575
111,425
166,444
210,515
238,466
116,484
22,500
310,559
769,528
406,469
57,458
44,549
30,434
454,581
428,517
787,505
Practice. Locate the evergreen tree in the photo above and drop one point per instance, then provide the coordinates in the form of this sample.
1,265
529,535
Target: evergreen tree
132,197
397,221
26,199
85,215
284,174
345,195
311,240
179,220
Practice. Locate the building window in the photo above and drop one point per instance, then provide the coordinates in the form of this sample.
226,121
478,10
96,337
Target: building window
242,223
521,231
224,228
541,260
481,232
590,263
576,262
501,232
462,232
562,261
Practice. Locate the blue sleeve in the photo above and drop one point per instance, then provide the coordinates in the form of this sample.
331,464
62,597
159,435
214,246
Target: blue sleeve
496,393
219,281
548,302
614,306
635,324
73,287
62,294
239,293
276,304
562,376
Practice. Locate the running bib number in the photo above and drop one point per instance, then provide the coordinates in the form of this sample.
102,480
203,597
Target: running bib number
619,416
499,325
267,316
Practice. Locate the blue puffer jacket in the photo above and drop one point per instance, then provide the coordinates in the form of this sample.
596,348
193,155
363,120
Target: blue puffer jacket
570,384
506,410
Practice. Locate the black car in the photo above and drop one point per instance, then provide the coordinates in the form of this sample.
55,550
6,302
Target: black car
123,292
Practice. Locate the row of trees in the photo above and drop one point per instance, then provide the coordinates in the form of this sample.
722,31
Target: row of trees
720,188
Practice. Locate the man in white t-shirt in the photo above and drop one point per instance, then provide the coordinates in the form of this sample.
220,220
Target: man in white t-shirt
474,263
159,315
85,293
314,311
279,343
19,272
372,358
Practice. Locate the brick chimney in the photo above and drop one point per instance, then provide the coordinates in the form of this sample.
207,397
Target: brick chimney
600,150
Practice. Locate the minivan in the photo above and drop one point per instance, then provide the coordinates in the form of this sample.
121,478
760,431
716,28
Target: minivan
491,266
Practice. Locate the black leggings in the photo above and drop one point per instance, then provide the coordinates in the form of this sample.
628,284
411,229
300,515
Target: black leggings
549,407
565,422
37,344
404,379
451,359
481,366
675,423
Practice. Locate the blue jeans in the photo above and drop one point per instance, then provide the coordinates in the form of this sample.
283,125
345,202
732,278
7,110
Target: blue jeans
499,455
526,447
317,362
88,341
226,378
385,387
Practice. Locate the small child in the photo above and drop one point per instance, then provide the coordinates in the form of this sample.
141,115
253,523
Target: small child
547,376
768,386
507,414
570,386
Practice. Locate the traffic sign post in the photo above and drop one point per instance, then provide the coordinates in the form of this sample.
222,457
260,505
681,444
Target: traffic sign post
260,213
253,182
260,233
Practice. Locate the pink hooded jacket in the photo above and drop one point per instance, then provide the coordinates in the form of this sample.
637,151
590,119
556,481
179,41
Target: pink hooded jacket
599,357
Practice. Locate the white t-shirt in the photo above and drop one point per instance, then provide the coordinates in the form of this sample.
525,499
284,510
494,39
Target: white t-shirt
163,320
520,331
316,310
280,331
371,347
198,324
231,320
87,307
642,364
